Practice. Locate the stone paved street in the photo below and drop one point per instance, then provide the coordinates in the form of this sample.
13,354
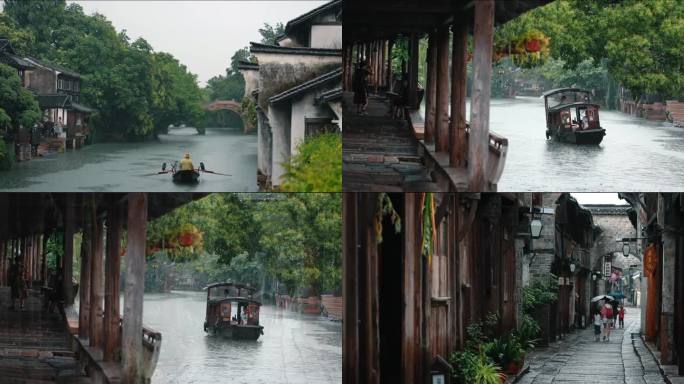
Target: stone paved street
580,359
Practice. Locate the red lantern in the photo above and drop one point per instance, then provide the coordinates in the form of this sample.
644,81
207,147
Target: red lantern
186,239
533,45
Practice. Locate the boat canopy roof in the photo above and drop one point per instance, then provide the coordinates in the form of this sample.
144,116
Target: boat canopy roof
563,90
229,284
239,299
559,107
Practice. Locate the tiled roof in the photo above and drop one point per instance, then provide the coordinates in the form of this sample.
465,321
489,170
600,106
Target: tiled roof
331,76
267,48
313,13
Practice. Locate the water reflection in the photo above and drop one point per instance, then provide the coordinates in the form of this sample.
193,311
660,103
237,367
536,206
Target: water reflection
124,167
294,348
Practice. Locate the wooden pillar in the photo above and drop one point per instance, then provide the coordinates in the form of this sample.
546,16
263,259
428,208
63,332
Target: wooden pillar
43,253
413,72
351,297
457,130
390,43
84,287
96,283
478,142
112,332
131,346
431,89
68,263
443,88
2,262
413,310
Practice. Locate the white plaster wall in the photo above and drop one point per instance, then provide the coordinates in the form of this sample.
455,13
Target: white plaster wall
294,59
287,42
251,80
279,116
302,109
326,36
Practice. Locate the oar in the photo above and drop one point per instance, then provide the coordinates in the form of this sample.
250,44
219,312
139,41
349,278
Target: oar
216,173
156,173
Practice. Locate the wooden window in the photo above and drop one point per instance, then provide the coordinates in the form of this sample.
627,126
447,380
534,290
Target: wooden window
316,125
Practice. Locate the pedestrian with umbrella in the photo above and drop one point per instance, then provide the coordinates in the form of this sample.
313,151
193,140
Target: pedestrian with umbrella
607,319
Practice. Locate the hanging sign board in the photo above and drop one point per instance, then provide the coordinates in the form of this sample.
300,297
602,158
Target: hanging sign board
607,268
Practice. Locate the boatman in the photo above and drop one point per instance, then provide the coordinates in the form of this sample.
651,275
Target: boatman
186,163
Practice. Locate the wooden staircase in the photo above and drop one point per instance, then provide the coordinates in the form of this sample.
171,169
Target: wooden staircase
379,153
35,347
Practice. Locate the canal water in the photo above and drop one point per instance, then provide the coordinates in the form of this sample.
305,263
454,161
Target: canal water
124,167
295,348
635,155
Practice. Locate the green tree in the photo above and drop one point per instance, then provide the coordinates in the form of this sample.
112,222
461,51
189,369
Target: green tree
18,107
269,33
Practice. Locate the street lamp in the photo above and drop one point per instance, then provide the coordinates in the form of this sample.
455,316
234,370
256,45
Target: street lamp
625,249
572,267
536,228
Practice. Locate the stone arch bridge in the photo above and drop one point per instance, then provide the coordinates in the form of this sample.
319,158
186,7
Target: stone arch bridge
229,105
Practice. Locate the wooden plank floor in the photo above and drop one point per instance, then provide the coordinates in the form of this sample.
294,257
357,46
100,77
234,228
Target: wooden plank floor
34,345
380,154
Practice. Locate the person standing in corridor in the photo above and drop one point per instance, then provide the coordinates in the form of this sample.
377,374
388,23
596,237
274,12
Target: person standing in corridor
621,316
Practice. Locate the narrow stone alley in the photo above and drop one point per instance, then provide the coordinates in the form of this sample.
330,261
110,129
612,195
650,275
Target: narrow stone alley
579,359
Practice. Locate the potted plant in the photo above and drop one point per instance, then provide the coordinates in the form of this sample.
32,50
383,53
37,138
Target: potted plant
514,355
486,372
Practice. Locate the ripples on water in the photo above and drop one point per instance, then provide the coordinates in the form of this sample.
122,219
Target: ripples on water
294,348
120,167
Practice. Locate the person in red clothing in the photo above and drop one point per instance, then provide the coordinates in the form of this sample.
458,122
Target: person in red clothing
607,319
621,316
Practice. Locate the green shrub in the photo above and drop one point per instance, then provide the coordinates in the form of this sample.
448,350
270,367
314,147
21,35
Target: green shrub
5,156
528,332
537,294
317,167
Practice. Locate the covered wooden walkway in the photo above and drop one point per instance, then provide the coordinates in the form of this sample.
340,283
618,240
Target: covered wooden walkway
95,339
380,153
35,346
463,157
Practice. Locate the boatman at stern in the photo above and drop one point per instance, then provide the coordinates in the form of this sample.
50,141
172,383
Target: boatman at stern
186,163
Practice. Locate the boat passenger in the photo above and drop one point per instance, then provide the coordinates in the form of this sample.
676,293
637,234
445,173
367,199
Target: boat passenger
585,122
186,163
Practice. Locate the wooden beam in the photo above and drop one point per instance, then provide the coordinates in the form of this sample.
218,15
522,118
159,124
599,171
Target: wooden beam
390,44
458,148
96,282
112,334
431,89
478,142
442,92
84,286
68,263
131,345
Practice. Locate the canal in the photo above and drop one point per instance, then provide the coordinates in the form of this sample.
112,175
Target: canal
125,167
294,348
635,155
